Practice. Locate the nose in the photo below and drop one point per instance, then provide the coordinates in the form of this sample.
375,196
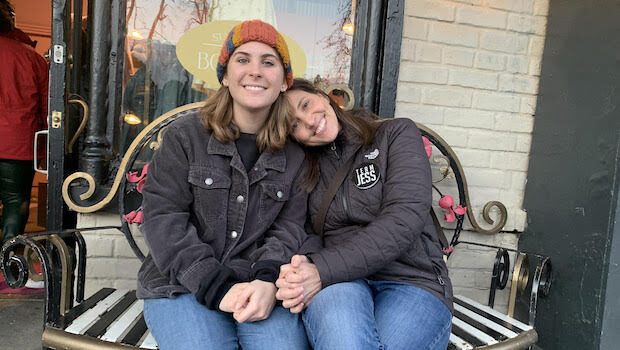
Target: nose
255,69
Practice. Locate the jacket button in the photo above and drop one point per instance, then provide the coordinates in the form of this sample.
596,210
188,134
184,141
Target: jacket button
233,234
208,181
279,194
239,199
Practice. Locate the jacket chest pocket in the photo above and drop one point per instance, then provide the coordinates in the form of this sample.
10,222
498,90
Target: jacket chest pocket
210,187
272,199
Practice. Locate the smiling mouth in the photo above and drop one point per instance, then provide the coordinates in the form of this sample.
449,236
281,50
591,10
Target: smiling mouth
321,126
254,87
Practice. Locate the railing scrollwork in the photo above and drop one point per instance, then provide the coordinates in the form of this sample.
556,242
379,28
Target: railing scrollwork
136,146
448,155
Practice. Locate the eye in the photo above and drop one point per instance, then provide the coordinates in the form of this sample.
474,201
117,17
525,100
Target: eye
305,105
295,124
269,63
242,60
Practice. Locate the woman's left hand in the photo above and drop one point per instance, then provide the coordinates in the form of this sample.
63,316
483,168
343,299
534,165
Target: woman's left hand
298,283
255,302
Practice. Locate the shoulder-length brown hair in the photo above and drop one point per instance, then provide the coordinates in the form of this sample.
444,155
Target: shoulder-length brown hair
358,125
217,117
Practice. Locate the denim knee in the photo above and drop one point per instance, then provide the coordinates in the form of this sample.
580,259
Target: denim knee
341,316
196,327
283,330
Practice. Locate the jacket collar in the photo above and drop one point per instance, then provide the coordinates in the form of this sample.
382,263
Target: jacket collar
267,160
343,147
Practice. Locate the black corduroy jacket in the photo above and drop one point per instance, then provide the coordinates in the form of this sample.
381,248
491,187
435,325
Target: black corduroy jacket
210,224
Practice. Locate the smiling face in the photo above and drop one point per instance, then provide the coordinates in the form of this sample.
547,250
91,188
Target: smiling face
255,77
315,121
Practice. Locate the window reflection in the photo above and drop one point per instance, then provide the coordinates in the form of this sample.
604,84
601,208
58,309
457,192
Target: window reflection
155,81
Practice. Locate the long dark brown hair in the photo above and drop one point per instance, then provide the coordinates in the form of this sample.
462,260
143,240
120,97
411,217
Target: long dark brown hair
358,125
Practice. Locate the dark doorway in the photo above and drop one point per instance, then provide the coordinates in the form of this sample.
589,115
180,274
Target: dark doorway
572,191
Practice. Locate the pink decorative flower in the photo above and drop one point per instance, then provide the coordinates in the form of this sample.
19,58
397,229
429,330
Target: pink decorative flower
460,210
134,217
450,216
141,184
447,202
133,177
428,146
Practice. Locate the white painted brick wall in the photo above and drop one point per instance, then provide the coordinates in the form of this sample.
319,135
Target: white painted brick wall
470,71
110,261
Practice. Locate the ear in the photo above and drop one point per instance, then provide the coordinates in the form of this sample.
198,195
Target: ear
225,80
284,86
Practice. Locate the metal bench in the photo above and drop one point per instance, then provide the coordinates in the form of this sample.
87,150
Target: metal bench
112,319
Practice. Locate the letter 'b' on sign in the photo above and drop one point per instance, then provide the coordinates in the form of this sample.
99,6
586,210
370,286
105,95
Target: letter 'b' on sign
199,48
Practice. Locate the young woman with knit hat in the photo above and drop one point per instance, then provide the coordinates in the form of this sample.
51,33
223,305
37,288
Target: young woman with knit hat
223,208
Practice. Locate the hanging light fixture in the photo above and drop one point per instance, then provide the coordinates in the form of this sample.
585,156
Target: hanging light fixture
132,119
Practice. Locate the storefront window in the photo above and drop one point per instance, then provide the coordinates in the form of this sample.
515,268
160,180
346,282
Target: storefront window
162,71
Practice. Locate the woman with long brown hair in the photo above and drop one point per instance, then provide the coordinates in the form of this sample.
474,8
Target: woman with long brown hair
380,281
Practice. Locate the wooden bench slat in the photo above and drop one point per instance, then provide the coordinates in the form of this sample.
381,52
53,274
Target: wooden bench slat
106,320
459,343
470,339
125,323
495,316
466,329
136,333
86,305
504,332
85,320
480,326
149,342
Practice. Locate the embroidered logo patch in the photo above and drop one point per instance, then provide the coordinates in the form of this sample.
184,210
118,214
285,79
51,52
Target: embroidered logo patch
372,155
366,176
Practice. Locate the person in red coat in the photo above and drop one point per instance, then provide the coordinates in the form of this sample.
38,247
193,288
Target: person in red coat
23,111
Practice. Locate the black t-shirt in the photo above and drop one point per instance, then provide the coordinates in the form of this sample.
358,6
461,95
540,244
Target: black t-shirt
248,150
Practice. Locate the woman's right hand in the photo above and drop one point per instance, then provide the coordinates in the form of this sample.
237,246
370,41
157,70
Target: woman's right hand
298,283
229,301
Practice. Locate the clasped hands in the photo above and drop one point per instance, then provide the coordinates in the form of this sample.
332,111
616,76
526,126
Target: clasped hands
253,301
298,283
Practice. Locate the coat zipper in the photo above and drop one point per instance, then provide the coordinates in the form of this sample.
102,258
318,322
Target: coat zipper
342,189
333,148
440,279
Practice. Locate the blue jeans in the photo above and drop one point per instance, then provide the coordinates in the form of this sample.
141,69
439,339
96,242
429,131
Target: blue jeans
366,314
182,323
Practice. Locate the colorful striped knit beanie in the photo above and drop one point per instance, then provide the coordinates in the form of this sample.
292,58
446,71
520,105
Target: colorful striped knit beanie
255,30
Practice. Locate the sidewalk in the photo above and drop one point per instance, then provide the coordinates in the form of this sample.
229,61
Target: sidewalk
21,322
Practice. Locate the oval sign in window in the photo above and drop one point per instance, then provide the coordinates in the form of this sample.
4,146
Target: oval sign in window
199,48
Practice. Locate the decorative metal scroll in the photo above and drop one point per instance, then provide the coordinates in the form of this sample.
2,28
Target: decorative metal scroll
135,147
15,270
541,285
454,168
501,271
54,254
151,135
520,278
